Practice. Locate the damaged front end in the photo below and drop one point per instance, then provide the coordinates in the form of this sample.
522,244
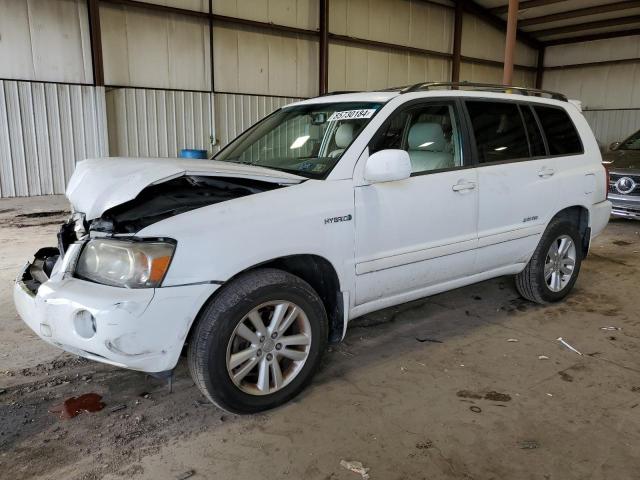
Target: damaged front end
173,197
153,204
98,293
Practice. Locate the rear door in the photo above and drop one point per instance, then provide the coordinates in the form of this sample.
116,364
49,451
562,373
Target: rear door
518,187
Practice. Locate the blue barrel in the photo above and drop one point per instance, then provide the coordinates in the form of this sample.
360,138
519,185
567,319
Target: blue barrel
193,153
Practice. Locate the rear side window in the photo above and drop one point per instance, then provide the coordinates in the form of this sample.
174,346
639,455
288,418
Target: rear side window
499,131
561,134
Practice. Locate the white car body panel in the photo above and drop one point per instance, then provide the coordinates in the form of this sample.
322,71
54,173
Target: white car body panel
288,221
388,242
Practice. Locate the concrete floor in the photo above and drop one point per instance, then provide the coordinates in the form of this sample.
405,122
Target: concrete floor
470,384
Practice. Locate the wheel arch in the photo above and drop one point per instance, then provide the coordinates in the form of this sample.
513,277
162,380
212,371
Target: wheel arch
317,271
579,215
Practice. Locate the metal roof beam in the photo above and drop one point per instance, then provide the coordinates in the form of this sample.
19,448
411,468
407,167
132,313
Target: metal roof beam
580,12
592,37
612,22
524,5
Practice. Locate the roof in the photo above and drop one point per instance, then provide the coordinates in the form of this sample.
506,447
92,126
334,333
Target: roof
439,89
380,97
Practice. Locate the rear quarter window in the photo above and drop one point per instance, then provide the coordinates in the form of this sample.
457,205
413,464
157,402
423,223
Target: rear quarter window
562,136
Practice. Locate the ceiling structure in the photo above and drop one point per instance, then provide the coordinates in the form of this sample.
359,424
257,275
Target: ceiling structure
555,22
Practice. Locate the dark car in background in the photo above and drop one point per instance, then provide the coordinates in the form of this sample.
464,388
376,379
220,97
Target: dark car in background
623,164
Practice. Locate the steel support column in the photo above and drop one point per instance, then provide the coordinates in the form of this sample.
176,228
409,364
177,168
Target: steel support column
323,80
540,68
457,41
510,42
93,7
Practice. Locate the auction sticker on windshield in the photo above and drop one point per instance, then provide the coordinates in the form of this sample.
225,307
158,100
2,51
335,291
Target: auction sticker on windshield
352,114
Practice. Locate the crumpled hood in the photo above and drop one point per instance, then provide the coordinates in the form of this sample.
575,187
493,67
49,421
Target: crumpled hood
102,183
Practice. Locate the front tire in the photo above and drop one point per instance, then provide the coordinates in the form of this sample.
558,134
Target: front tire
553,269
259,342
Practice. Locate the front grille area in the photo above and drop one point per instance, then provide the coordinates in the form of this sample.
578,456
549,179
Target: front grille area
615,187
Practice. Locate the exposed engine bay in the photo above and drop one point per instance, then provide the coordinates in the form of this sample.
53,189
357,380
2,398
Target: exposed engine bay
160,201
176,196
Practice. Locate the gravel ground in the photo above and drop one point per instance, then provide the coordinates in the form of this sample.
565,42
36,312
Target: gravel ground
470,384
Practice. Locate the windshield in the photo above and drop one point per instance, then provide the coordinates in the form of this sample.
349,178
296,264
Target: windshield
307,140
631,143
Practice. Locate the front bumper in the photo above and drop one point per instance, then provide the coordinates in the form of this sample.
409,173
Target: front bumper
140,329
626,206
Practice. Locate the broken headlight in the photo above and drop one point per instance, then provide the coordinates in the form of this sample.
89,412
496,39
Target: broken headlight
125,263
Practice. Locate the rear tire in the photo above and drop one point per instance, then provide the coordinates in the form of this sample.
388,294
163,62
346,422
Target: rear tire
239,361
554,267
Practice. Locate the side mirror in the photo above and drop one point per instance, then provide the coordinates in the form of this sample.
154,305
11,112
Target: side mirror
614,145
387,166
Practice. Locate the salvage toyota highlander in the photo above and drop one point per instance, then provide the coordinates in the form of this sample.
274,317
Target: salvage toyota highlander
325,210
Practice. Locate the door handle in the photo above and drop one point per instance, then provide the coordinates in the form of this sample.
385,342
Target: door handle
546,172
462,186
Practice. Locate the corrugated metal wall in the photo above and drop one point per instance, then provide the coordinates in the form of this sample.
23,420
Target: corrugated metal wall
482,40
610,94
158,123
404,22
45,41
293,13
613,125
250,60
235,113
154,49
45,129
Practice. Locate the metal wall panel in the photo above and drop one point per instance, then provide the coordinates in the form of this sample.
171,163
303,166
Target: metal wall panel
595,51
606,86
45,129
612,125
412,23
152,49
293,13
158,123
482,40
197,5
45,41
250,60
235,113
476,72
361,68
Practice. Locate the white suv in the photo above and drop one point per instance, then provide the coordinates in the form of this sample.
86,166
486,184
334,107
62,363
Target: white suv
326,210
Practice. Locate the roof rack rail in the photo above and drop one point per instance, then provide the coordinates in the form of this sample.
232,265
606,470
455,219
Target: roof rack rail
339,92
487,87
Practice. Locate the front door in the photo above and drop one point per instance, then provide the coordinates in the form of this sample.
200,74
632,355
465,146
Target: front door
417,233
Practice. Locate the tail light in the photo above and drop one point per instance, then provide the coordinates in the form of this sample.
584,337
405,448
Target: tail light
606,182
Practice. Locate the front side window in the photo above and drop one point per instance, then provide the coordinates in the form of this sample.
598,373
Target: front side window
429,133
631,143
499,131
562,137
306,140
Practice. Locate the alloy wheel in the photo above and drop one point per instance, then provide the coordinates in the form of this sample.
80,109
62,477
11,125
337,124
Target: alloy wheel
268,347
560,263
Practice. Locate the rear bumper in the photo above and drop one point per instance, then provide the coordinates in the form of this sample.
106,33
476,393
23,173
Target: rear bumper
140,329
600,214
